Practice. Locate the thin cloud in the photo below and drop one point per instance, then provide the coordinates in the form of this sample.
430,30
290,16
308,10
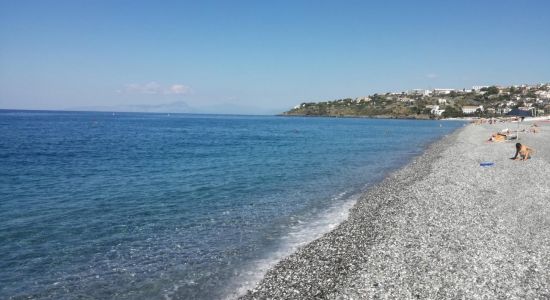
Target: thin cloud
154,88
178,89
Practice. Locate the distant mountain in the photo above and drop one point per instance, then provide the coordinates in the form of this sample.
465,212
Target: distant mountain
230,108
173,107
182,107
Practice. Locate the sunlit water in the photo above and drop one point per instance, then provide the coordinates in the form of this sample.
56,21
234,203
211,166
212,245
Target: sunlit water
155,206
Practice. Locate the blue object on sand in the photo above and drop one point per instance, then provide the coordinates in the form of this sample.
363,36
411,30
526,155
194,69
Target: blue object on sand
486,164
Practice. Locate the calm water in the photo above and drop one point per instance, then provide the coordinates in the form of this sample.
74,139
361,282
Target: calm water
154,206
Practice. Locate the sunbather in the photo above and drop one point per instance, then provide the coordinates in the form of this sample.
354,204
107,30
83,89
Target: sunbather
497,137
522,152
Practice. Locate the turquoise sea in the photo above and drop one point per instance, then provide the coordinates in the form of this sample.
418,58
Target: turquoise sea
175,206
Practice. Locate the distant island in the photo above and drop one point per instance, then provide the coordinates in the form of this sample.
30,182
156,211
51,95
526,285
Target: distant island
479,101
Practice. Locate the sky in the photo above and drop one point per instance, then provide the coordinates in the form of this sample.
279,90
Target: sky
260,57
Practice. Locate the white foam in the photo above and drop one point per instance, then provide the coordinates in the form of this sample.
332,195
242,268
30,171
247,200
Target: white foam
298,236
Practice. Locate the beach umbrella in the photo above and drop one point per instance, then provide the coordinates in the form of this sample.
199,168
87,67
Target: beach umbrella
519,113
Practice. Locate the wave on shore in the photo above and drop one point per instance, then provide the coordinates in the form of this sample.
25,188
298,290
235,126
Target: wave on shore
304,232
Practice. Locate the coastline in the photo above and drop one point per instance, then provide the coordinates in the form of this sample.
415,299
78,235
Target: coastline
418,118
440,227
389,117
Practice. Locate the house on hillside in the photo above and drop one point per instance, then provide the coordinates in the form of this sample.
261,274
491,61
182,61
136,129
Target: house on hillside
543,94
503,110
470,109
437,112
406,100
443,91
434,110
479,87
421,92
511,103
362,99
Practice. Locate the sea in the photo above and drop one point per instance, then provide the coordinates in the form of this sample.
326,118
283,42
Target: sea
97,205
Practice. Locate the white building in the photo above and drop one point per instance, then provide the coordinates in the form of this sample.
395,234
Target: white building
468,110
434,110
406,100
437,112
479,87
422,92
443,91
362,99
503,110
442,101
543,94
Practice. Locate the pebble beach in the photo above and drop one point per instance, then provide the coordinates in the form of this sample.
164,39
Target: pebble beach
444,226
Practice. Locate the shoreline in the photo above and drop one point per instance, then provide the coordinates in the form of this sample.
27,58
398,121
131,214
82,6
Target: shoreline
256,270
423,118
377,117
422,231
297,237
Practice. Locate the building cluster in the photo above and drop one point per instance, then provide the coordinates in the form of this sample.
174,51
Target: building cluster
479,100
502,99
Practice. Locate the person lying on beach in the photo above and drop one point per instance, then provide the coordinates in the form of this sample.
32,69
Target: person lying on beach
497,137
522,151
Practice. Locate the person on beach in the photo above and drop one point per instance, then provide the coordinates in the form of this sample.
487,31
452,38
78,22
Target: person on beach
497,137
534,128
501,136
522,151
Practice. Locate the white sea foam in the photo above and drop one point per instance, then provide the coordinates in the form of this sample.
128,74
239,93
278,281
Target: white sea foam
298,236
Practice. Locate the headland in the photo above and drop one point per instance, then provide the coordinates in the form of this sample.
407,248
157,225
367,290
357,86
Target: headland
478,101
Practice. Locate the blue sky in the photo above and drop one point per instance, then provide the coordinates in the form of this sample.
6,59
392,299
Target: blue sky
260,56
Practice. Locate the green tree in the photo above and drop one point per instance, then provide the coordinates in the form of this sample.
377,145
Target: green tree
451,112
492,90
531,94
426,111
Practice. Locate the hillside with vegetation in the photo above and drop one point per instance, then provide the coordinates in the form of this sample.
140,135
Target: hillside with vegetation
491,101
